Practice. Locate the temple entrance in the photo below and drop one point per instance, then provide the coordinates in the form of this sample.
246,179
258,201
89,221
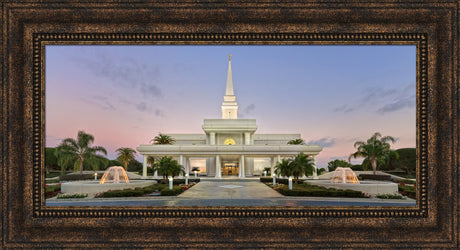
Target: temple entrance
230,169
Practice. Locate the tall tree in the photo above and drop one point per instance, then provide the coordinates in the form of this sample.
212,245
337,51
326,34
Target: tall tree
298,141
163,139
299,166
78,151
375,149
126,155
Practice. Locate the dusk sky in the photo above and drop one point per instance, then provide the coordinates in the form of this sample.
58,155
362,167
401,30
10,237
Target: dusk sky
331,95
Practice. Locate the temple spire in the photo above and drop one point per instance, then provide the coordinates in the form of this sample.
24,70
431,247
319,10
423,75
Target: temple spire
229,106
229,89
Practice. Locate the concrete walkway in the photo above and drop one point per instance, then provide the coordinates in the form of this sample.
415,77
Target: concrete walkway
230,190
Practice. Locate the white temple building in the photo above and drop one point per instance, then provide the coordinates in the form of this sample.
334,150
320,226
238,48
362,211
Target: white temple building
229,146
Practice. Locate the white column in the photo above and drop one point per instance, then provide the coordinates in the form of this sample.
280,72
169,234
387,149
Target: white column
241,168
155,173
144,167
279,159
315,173
273,164
181,161
187,165
247,138
212,138
218,170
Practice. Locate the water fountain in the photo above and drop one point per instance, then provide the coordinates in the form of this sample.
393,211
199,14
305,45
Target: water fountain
345,178
113,174
344,175
114,178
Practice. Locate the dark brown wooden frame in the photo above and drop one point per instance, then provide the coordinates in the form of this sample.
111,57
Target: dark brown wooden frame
29,25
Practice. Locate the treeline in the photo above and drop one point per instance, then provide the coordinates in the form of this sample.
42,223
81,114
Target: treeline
51,163
404,160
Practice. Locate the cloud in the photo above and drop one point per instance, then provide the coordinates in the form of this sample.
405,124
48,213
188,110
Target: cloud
100,101
128,73
344,109
250,108
405,102
142,106
159,113
323,142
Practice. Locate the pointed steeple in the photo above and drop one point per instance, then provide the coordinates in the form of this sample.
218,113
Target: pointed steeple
229,89
229,106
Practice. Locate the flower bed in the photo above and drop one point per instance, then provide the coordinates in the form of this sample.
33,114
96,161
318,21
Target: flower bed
407,190
317,191
52,190
163,189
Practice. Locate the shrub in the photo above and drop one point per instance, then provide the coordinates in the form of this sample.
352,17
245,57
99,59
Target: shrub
69,196
409,191
389,196
52,190
312,190
378,177
79,177
175,191
278,180
177,181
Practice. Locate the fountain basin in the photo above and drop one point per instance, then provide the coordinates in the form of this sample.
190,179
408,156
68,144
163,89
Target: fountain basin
92,187
372,188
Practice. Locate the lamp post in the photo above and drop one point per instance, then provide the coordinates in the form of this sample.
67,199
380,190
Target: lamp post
170,182
195,174
274,180
186,179
95,176
290,182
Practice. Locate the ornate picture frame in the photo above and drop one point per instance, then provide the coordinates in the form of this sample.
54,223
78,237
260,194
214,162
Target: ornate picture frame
28,26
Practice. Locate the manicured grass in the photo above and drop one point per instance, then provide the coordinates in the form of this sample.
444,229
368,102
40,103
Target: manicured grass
52,174
304,189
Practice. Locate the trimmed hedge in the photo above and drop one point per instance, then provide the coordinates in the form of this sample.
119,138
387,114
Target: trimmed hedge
78,177
406,181
278,180
164,191
52,190
177,181
318,191
321,193
409,191
377,177
175,191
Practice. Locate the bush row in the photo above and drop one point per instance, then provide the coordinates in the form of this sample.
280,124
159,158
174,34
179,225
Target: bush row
406,181
409,191
378,177
177,181
278,180
78,177
162,188
321,193
52,190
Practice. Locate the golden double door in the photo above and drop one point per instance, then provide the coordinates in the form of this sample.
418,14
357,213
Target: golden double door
230,169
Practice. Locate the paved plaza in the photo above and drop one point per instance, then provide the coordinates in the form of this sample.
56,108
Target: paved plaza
228,192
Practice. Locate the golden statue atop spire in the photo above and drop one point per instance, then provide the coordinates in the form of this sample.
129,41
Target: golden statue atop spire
229,57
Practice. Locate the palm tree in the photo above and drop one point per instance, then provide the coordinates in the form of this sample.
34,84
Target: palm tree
284,167
79,151
375,149
167,166
125,156
163,139
298,141
302,165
